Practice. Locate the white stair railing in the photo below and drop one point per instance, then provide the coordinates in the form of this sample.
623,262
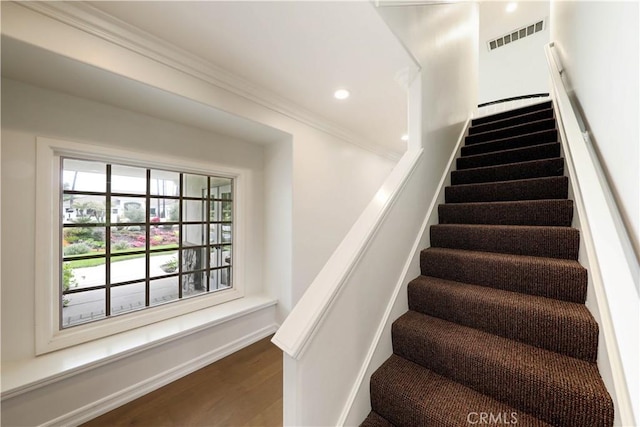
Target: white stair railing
606,251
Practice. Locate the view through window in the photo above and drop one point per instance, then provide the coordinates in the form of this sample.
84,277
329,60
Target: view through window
134,237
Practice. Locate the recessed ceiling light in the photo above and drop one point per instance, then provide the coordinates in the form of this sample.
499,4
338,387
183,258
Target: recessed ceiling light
341,94
512,6
405,137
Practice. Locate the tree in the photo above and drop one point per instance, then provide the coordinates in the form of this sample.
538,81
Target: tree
134,213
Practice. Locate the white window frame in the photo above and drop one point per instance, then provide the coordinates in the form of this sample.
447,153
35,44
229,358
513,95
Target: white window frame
49,334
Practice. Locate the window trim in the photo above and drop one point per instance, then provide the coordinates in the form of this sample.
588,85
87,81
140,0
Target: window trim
49,335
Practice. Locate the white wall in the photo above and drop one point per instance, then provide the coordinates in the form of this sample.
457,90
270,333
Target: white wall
331,182
278,211
28,112
344,345
518,68
598,45
444,39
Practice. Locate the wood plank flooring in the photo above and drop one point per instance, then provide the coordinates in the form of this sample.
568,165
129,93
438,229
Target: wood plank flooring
243,389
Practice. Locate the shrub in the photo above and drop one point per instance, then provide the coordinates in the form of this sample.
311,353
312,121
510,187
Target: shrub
68,281
94,244
121,245
169,266
77,249
77,234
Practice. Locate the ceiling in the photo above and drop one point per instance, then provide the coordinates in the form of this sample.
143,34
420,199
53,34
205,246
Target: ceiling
495,21
30,64
299,51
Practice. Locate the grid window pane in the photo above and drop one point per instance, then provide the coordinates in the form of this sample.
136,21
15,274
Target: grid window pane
83,209
164,237
127,298
83,307
85,273
126,210
164,183
193,210
194,186
219,256
194,234
193,259
220,279
164,210
126,231
194,284
83,241
127,268
163,290
127,239
220,188
220,233
163,263
84,175
127,179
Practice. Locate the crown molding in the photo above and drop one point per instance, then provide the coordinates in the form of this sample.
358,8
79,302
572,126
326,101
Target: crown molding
91,20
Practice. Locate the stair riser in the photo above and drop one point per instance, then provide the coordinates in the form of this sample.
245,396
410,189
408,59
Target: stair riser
536,152
478,366
558,326
514,121
512,113
542,278
526,170
510,132
546,188
537,212
536,138
561,243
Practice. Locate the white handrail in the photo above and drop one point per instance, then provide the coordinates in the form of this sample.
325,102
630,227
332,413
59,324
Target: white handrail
610,264
300,325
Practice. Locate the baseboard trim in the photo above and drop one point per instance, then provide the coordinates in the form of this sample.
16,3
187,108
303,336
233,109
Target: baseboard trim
108,403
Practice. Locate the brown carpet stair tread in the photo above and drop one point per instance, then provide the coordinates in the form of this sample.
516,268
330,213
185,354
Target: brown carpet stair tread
509,172
546,188
564,327
517,374
408,395
537,241
542,151
511,113
561,279
516,212
375,420
512,121
497,321
521,141
515,130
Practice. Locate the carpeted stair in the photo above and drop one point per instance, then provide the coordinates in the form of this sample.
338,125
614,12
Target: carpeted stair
497,331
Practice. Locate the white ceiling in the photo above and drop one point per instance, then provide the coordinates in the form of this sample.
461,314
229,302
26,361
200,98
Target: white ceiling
42,68
300,51
495,21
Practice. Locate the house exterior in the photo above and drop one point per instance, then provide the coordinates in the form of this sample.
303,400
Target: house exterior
73,79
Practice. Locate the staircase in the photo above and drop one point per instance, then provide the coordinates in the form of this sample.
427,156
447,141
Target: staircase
497,331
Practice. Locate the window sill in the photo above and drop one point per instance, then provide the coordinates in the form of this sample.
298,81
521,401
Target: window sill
25,375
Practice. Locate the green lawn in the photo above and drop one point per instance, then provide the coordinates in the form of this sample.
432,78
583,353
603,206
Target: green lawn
100,261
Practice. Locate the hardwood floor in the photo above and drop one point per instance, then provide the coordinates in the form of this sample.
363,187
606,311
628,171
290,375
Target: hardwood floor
243,389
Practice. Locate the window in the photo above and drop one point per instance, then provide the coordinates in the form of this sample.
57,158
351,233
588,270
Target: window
171,240
128,240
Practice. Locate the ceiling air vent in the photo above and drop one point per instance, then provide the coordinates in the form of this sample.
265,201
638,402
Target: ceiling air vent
516,35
